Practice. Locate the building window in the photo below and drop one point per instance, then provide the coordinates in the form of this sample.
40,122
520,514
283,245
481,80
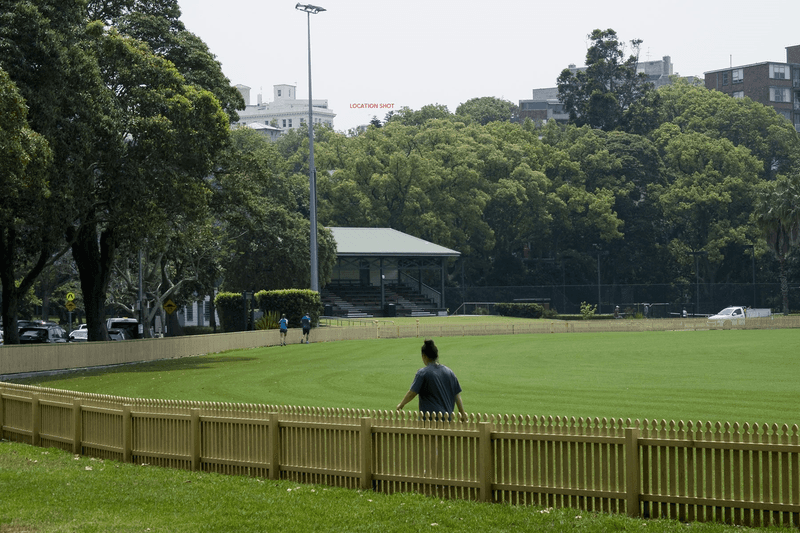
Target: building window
724,78
302,121
190,312
779,94
738,94
777,72
290,123
279,92
737,75
207,310
785,114
284,123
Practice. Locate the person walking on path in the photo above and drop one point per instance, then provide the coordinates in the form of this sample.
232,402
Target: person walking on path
436,385
306,322
283,324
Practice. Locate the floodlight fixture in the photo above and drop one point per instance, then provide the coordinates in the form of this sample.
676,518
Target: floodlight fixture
308,8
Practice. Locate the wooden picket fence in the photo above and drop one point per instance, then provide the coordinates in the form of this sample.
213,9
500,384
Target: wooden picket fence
736,473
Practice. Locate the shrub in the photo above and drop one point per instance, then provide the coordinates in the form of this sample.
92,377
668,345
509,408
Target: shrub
292,303
521,310
230,306
549,313
268,321
587,310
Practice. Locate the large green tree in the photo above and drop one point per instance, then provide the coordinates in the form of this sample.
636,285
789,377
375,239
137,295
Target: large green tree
778,219
166,135
42,50
488,109
601,94
132,139
693,108
27,240
265,234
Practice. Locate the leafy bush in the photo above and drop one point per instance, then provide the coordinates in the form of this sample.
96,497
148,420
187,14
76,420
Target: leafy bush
268,321
521,310
230,306
293,303
549,313
587,310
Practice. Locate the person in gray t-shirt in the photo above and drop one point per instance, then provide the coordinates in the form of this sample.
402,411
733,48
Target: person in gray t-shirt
436,385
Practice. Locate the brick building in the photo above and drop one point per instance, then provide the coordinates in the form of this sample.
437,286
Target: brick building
773,84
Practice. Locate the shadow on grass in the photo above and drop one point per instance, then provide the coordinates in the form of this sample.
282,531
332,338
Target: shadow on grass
199,362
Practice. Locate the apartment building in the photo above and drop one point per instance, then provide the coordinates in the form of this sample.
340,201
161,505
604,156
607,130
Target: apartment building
285,112
773,84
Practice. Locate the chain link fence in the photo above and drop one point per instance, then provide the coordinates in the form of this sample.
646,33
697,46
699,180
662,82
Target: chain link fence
657,300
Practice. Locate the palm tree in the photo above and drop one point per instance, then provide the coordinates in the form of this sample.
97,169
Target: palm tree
778,218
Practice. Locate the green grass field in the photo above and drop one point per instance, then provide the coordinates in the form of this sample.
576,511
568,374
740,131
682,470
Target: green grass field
735,376
744,376
51,491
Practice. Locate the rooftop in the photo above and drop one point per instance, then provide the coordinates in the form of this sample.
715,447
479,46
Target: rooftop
387,242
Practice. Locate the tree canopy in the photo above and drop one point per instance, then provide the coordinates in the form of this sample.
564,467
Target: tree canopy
601,95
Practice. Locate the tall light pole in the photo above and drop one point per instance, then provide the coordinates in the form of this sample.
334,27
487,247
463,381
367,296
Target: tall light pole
312,172
697,283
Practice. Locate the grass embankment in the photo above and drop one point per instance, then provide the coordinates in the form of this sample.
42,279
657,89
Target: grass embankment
52,491
735,376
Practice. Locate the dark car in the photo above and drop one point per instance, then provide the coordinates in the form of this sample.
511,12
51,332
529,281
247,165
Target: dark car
42,334
28,323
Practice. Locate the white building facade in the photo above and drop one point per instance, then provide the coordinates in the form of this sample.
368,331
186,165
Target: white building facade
285,112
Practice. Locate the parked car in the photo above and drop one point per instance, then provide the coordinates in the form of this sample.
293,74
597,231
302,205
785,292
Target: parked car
130,325
27,323
42,334
118,334
736,316
79,335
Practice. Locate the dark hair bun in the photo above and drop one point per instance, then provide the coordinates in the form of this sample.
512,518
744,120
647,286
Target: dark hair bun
430,350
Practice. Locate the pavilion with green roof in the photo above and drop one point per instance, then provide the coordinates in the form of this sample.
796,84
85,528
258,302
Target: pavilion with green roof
385,272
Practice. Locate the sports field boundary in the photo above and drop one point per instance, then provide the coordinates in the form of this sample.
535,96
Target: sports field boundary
690,471
19,359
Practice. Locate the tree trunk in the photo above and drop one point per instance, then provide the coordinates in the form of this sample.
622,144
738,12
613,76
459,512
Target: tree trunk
11,292
94,258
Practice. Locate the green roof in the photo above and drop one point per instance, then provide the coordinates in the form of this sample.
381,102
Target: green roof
385,242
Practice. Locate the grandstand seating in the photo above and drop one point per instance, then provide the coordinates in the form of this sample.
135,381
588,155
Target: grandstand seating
353,300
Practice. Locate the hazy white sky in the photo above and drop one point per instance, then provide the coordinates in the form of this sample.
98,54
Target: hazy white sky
418,52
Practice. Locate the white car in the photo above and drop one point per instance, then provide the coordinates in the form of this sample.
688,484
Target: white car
736,316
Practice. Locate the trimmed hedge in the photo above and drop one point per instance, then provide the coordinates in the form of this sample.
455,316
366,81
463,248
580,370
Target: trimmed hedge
230,306
521,310
293,303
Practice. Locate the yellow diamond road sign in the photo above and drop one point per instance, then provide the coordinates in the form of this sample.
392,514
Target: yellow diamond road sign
170,307
70,305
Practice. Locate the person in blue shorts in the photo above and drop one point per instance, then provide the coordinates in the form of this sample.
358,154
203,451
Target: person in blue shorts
436,385
306,322
283,324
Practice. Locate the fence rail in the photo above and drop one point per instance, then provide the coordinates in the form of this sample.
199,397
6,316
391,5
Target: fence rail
738,473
